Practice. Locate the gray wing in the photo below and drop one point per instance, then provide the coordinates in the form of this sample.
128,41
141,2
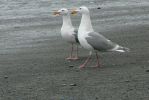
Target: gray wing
99,42
76,35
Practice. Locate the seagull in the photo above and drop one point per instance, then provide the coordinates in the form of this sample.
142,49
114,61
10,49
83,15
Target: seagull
91,40
68,32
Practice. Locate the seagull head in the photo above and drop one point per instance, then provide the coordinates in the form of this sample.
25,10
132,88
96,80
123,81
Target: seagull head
82,10
62,11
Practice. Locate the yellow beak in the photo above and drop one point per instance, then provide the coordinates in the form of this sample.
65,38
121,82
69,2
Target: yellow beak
56,13
74,12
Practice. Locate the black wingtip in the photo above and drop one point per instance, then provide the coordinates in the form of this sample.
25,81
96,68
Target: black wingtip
126,49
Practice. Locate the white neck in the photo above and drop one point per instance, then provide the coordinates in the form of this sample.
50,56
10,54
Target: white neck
66,21
86,25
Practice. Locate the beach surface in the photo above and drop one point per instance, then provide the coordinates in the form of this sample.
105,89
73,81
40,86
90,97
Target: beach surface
32,52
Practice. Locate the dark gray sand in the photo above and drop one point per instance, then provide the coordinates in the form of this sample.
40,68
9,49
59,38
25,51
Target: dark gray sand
33,65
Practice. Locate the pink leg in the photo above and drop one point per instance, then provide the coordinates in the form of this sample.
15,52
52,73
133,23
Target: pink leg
76,56
70,57
98,63
86,61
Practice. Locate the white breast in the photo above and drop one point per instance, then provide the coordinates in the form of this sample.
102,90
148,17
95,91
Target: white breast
67,35
84,28
82,39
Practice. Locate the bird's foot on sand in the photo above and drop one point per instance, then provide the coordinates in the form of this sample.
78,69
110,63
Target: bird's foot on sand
82,66
97,66
72,58
75,58
69,58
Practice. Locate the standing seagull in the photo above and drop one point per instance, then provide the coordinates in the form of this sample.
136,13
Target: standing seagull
68,32
91,40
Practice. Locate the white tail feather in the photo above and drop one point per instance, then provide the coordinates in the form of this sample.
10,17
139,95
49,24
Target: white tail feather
120,49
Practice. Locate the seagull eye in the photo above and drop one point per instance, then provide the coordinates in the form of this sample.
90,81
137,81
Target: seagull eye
80,8
62,10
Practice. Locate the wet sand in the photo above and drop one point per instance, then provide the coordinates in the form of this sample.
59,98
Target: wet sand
33,65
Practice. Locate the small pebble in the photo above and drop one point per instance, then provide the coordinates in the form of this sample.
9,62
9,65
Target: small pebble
5,76
71,66
98,8
73,84
147,70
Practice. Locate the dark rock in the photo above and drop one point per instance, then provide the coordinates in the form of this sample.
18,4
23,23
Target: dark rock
5,76
147,70
96,98
71,66
98,8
